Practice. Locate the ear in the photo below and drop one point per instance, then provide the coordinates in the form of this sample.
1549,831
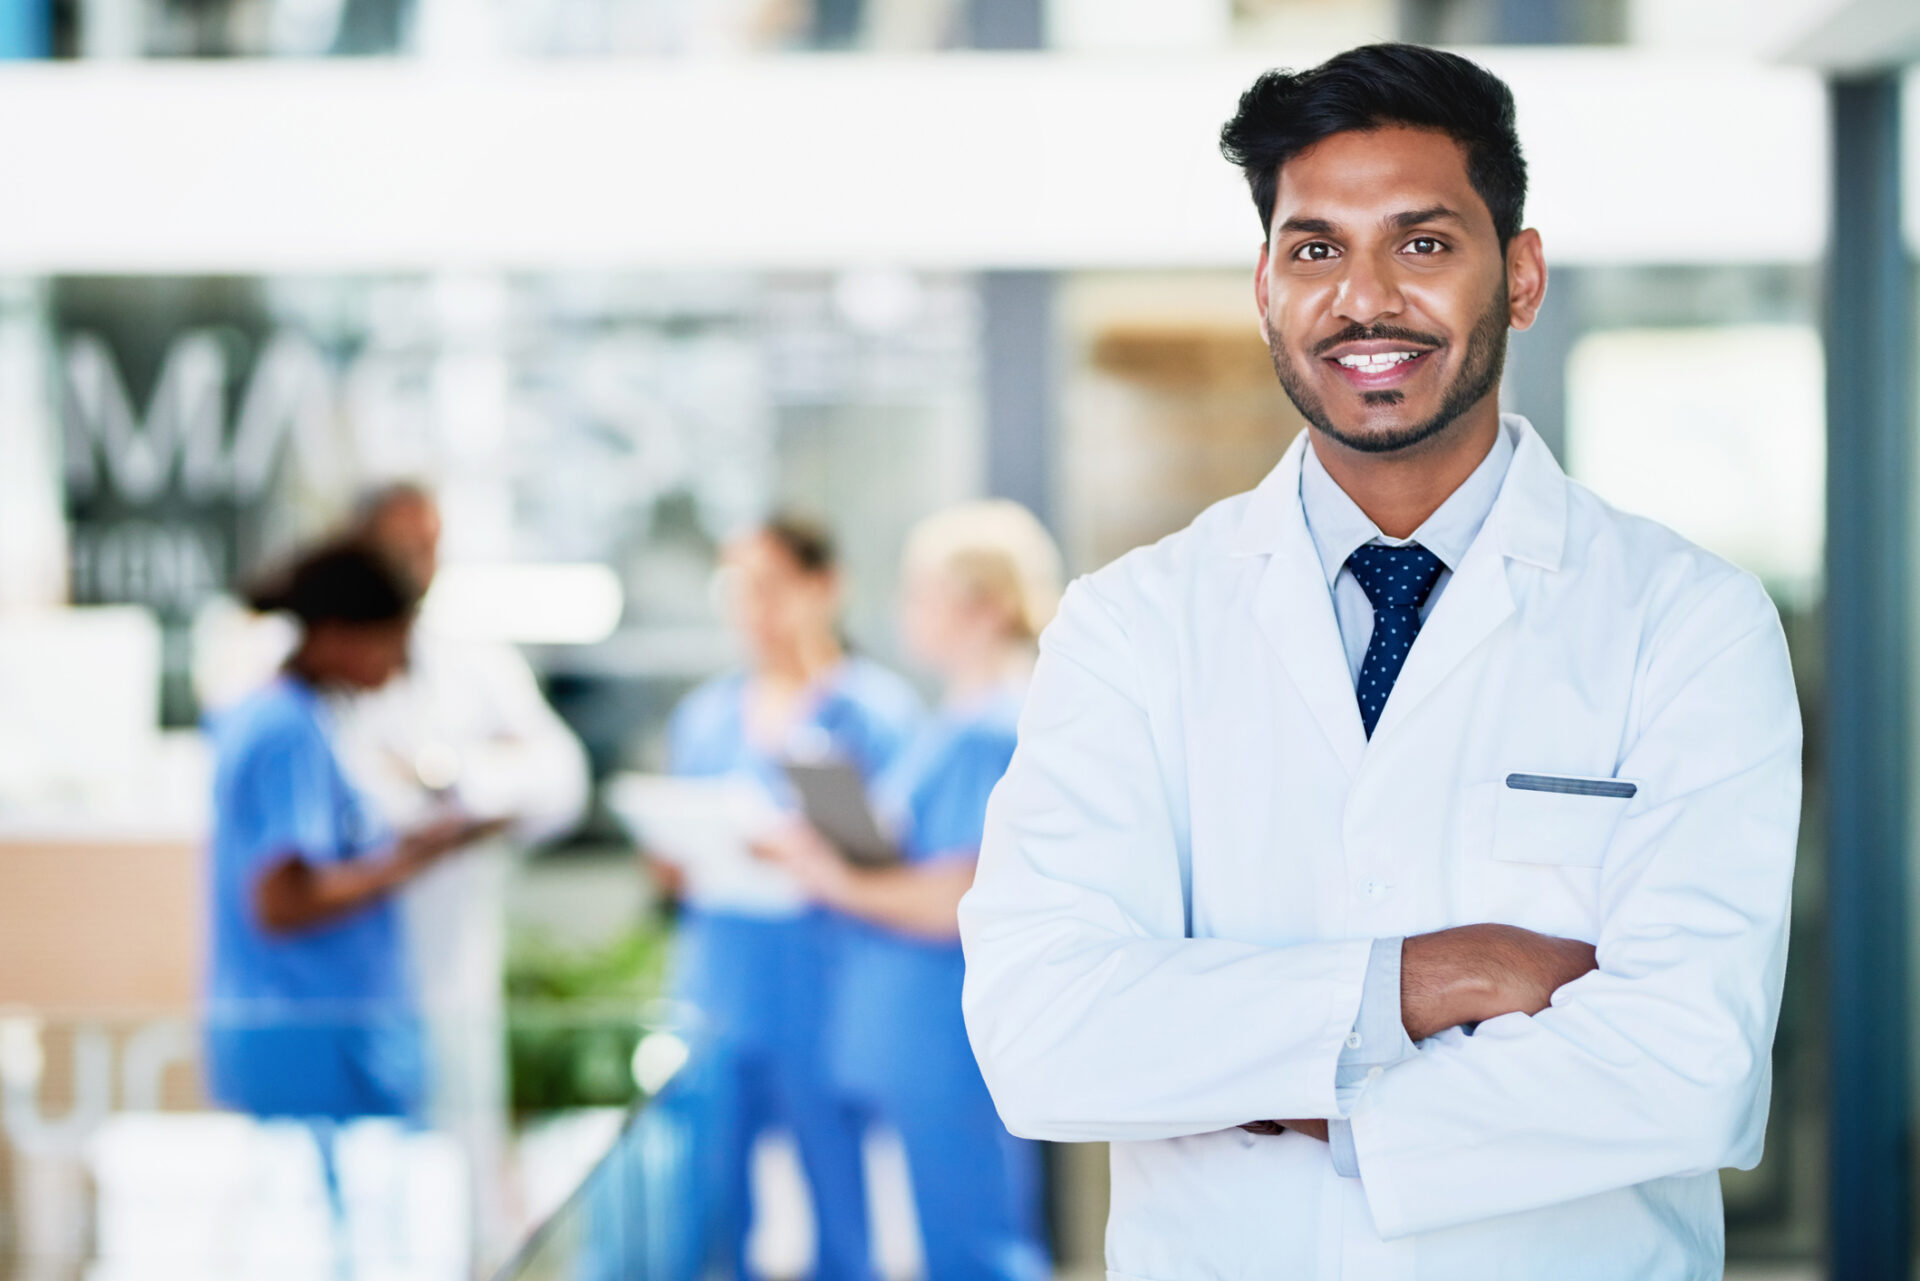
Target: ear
1260,296
1526,278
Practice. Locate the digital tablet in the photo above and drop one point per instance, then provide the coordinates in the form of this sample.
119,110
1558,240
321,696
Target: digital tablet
835,802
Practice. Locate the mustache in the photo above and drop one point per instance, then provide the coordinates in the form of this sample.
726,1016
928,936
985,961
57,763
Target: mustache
1371,333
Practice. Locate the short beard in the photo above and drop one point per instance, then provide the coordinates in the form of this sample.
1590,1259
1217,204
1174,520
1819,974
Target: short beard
1480,369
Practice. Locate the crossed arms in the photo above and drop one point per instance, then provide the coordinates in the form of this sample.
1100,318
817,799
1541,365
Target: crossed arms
1095,1017
1466,975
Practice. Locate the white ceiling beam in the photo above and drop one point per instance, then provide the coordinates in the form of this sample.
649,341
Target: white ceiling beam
1857,37
950,161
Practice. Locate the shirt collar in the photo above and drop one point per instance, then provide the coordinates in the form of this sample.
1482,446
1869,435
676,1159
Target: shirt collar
1339,528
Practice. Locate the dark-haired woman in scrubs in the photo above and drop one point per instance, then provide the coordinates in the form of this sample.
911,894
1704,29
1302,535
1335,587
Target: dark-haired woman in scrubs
759,982
310,1008
979,582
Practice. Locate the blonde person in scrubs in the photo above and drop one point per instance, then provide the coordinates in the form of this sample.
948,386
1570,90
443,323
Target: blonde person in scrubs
979,582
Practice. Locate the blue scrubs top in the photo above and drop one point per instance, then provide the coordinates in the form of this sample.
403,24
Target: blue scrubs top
897,1032
754,988
899,1041
321,1023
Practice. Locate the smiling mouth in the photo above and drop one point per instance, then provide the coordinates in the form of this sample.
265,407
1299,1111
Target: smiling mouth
1378,370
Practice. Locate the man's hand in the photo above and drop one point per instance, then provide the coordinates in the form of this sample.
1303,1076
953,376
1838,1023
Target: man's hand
1466,975
1313,1129
1477,972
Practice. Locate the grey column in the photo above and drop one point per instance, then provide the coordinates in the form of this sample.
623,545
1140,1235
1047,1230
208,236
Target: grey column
1536,377
1870,353
1017,348
1006,24
1511,21
1017,322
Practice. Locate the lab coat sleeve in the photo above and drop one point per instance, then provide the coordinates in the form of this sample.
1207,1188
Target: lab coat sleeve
1657,1063
1092,1015
531,766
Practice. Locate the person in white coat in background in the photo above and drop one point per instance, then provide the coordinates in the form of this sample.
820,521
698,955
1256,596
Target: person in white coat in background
1394,866
465,725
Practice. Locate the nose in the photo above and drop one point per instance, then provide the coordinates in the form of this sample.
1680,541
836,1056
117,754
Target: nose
1367,292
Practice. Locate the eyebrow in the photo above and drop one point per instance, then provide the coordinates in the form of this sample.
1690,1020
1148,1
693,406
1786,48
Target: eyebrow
1312,226
1414,217
1399,221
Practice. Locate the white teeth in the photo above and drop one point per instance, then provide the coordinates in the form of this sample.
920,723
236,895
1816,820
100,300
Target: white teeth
1373,363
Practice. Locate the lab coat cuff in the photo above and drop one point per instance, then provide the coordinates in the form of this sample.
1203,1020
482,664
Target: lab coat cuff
1346,1162
1314,1080
1378,1038
1373,1149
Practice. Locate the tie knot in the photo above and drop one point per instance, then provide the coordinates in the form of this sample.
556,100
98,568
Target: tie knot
1395,577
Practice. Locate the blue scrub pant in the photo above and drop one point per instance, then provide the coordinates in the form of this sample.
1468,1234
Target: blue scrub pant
762,986
976,1188
900,1049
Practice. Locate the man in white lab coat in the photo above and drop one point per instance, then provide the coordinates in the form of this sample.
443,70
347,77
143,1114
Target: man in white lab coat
466,728
1394,868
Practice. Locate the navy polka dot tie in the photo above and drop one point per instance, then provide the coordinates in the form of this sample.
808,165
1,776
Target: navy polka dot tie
1396,580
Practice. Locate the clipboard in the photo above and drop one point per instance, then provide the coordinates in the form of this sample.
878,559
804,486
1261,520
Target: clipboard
705,826
834,800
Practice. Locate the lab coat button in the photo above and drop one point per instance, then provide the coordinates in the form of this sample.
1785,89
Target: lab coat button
1353,1040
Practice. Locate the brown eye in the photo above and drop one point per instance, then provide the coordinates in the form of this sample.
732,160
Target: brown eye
1425,245
1314,251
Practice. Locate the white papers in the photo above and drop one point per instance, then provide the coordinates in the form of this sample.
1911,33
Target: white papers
703,826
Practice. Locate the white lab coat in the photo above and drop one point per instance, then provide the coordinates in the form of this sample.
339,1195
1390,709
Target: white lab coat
473,708
1195,844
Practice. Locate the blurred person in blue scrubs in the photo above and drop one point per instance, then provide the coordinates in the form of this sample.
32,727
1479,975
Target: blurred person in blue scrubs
311,1011
759,981
979,582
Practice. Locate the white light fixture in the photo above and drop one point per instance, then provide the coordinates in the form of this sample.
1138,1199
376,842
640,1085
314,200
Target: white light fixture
576,604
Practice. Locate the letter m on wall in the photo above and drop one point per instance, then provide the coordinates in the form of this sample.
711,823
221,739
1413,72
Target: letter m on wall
182,438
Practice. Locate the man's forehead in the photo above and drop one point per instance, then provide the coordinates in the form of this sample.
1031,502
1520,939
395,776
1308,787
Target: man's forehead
1378,172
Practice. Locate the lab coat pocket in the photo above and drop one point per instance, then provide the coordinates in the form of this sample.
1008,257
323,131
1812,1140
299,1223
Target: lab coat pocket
1557,819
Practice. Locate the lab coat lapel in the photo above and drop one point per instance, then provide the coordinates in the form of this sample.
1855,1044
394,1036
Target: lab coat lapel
1294,609
1476,601
1527,523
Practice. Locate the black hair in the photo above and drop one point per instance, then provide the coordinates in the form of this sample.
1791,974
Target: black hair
1285,112
342,582
808,541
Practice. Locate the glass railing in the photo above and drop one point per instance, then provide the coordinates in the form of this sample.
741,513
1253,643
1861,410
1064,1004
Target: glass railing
116,1166
638,1215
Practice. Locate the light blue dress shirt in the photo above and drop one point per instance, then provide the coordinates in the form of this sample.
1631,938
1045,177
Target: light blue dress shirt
1339,528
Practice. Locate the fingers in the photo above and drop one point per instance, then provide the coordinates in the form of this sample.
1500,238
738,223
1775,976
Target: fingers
1312,1128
